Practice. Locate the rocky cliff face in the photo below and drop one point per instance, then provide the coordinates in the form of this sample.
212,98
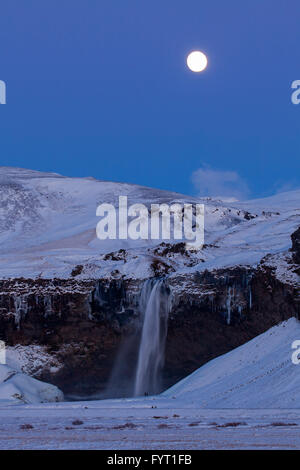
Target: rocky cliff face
81,324
296,246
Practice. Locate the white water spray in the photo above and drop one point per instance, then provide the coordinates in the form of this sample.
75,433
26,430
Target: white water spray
155,307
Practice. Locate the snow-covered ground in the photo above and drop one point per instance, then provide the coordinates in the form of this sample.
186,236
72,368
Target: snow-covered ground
48,226
246,399
103,426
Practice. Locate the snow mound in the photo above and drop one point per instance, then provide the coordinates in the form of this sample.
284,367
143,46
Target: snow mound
259,374
18,388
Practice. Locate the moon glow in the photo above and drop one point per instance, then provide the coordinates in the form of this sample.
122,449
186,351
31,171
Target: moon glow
196,61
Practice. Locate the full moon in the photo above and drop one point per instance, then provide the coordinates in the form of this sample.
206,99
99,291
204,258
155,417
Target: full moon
196,61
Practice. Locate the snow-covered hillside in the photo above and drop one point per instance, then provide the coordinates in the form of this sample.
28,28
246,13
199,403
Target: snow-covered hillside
17,388
259,374
48,222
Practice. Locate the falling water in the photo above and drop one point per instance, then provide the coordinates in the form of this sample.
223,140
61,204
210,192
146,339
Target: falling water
154,307
137,367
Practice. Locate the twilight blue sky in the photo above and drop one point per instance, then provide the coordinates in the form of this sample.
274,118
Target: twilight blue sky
100,88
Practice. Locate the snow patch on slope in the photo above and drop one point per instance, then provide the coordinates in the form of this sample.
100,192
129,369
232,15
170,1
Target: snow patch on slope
259,374
17,388
31,359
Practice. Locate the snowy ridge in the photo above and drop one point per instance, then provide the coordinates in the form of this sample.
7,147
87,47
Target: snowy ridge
48,222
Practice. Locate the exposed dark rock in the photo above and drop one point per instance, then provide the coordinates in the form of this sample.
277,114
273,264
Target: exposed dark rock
119,255
296,246
160,267
166,248
77,270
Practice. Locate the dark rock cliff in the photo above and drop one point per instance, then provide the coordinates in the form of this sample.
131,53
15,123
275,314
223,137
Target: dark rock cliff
296,246
82,323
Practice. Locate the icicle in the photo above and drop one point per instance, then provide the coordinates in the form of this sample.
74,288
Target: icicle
89,302
228,305
21,308
98,295
48,305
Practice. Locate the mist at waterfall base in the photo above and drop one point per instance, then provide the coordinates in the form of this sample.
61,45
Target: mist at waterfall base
139,363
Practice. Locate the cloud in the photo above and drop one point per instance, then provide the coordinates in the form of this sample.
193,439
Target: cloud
219,184
285,187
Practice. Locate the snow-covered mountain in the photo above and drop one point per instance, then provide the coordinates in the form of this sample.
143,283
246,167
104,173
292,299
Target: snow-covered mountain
48,222
68,298
259,374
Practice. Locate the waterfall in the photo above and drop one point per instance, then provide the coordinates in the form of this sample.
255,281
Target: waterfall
154,307
138,364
